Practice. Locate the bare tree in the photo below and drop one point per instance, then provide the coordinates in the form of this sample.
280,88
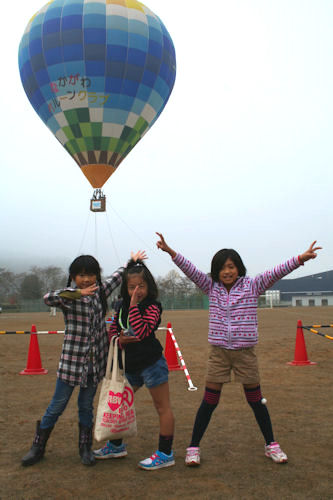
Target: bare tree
31,287
10,284
50,277
168,286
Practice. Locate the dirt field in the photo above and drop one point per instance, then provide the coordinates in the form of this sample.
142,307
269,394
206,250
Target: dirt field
233,463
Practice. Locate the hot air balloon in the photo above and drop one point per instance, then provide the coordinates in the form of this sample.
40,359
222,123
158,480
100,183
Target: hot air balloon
98,73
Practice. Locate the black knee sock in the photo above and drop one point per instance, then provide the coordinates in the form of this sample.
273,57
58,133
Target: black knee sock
165,444
253,397
208,405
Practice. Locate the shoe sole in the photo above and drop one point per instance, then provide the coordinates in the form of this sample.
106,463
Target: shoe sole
32,461
167,464
192,464
89,464
284,461
27,464
118,455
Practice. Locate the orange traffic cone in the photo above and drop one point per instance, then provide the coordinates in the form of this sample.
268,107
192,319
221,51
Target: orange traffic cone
34,363
300,357
170,352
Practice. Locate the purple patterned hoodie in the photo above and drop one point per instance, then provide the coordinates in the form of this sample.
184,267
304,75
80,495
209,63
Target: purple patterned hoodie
233,322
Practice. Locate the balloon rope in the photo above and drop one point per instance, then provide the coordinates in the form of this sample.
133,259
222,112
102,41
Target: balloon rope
122,220
84,235
112,240
96,246
161,256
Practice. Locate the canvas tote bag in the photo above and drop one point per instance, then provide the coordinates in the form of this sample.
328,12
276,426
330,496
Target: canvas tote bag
115,418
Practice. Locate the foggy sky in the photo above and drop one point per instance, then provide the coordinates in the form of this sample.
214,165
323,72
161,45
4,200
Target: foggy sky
240,157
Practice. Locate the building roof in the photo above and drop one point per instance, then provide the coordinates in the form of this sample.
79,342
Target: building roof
321,282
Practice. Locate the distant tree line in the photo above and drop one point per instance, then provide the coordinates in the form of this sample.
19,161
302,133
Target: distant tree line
175,291
29,285
176,286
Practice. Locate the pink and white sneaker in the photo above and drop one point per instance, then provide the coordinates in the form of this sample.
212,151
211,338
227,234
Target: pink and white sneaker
274,452
192,458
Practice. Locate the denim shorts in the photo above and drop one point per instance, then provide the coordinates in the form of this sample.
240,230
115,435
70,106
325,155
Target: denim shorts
152,376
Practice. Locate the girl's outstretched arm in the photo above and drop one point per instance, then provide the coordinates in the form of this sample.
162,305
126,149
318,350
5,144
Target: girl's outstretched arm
198,277
62,298
163,246
265,280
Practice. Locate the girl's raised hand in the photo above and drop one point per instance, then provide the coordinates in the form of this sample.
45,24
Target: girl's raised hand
139,255
90,290
163,246
310,253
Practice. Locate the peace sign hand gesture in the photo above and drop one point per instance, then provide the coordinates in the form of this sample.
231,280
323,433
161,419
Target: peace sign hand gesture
310,253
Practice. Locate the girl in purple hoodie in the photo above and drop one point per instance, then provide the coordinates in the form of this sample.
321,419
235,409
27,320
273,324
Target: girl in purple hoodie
233,334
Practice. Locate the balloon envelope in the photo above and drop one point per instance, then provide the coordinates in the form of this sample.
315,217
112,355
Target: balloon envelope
98,73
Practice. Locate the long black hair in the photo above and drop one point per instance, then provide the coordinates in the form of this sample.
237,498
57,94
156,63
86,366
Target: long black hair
138,267
219,260
88,264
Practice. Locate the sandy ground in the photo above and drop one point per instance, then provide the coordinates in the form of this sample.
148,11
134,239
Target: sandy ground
233,463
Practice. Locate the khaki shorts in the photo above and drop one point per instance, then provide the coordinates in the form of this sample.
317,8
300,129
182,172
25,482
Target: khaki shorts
243,362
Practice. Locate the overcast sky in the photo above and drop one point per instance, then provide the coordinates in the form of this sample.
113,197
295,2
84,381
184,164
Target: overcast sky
240,157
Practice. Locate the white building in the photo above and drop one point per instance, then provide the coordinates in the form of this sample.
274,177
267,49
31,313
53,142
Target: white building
272,297
312,299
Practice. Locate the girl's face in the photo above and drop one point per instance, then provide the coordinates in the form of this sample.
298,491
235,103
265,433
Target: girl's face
228,274
136,280
83,280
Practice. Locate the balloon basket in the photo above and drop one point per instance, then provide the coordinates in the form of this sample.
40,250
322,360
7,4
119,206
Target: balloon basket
97,202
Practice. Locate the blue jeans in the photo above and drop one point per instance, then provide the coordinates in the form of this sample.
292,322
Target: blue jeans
62,395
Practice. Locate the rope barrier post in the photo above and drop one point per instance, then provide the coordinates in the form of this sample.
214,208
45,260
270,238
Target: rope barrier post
191,387
312,330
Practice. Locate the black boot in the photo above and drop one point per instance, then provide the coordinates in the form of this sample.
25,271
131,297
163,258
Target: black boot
37,449
85,441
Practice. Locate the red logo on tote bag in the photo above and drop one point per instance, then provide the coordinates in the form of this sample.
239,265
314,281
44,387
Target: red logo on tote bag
115,400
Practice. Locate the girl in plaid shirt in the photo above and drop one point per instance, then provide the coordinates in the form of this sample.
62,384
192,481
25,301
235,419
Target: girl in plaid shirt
84,351
233,334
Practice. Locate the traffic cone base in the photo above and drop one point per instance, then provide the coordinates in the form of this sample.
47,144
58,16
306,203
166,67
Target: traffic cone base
301,356
34,362
36,371
301,363
171,354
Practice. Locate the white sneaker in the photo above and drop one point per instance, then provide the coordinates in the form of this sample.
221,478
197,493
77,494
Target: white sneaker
274,452
192,458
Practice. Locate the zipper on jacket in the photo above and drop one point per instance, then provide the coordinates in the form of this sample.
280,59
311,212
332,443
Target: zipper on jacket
229,325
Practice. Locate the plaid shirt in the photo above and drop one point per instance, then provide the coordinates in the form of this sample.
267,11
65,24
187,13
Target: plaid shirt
85,336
